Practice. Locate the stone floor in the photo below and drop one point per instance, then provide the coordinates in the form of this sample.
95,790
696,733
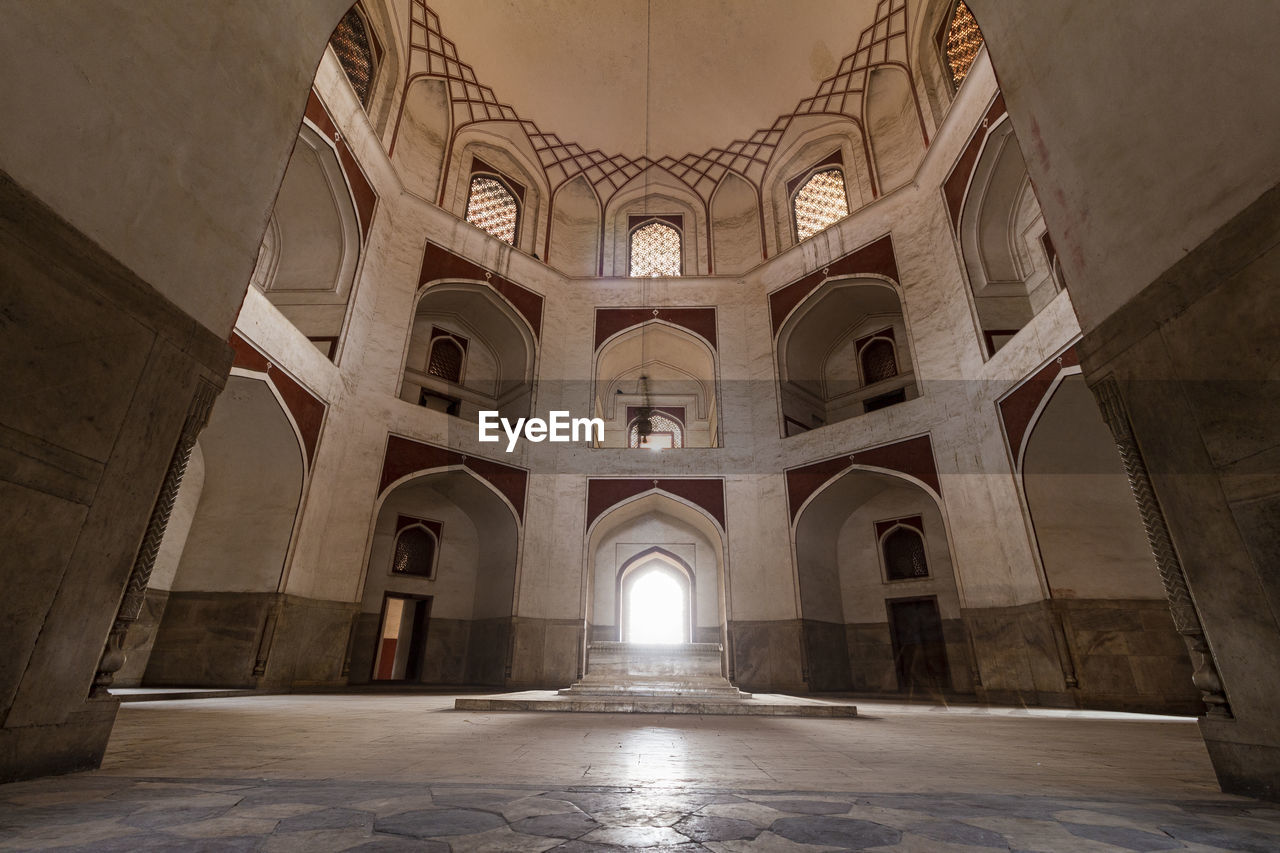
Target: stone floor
405,772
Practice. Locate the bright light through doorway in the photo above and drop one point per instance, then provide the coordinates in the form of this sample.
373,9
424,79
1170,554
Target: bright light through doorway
655,609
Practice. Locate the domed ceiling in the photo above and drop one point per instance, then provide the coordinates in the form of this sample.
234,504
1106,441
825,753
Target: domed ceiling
719,69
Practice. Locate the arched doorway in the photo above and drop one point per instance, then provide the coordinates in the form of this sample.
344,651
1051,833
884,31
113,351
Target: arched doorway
222,584
878,596
439,585
656,592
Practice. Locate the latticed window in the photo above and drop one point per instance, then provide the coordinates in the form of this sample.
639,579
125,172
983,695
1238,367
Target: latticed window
351,42
493,208
445,360
664,431
879,362
964,40
820,202
415,552
904,555
655,251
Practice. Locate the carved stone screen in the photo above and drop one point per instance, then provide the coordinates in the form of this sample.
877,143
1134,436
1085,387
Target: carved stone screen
446,360
655,251
820,203
904,555
964,40
878,361
350,42
661,427
491,207
415,552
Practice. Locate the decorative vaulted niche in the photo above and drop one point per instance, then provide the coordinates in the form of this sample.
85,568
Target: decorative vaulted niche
893,124
307,263
451,626
469,350
661,560
224,555
575,229
422,137
666,372
735,226
1012,267
865,628
843,352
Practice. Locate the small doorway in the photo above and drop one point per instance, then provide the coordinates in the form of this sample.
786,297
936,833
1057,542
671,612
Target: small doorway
401,637
919,649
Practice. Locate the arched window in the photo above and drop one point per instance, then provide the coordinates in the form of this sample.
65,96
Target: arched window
820,202
353,44
961,43
655,251
904,556
664,432
445,360
415,552
879,361
492,207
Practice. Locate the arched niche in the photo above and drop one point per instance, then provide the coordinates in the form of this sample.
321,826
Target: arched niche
824,349
893,125
502,146
862,630
307,262
1003,239
655,530
673,608
679,378
233,557
1091,539
388,60
575,229
498,352
735,226
807,141
422,137
456,624
655,192
1098,565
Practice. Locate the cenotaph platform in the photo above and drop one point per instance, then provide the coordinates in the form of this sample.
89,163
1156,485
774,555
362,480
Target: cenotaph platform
677,678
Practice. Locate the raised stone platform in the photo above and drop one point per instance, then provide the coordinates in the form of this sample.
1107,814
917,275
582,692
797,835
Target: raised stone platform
631,678
759,705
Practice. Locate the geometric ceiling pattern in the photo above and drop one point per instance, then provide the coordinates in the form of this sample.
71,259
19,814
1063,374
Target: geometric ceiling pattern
434,55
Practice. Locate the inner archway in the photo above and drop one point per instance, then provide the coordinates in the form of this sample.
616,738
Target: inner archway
655,603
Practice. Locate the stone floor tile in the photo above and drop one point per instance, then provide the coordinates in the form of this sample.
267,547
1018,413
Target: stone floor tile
225,826
766,842
703,828
340,818
846,833
761,816
503,840
433,823
809,806
959,832
564,826
635,836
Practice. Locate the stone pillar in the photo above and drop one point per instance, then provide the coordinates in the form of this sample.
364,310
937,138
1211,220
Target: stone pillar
1185,618
113,656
